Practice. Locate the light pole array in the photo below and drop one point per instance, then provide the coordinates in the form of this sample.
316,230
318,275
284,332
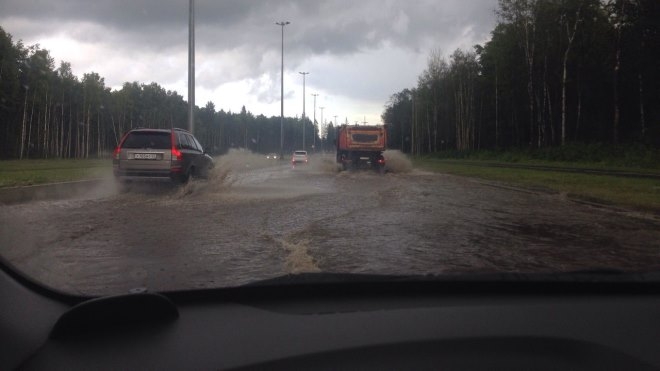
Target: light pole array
303,115
282,24
314,145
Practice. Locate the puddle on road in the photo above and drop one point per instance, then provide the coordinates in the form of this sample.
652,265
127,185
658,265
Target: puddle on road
243,175
257,219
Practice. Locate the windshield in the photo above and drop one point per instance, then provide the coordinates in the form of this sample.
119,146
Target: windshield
440,138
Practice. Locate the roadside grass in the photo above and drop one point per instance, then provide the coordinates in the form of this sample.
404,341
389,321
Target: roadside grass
15,173
638,158
636,193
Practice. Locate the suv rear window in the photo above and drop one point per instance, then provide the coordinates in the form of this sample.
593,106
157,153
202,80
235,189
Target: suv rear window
301,153
148,139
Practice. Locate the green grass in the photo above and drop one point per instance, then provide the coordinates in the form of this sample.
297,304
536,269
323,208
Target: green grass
636,193
628,157
29,172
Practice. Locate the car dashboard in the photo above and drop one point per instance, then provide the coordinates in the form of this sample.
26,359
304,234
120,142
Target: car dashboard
303,322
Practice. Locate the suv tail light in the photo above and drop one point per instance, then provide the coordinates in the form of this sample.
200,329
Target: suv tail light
381,160
176,154
116,153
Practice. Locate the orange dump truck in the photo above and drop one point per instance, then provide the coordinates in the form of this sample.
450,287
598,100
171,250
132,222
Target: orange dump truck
361,147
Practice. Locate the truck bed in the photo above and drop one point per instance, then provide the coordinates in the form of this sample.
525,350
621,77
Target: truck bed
361,138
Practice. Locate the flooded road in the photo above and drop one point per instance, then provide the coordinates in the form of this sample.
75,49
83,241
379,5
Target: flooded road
255,220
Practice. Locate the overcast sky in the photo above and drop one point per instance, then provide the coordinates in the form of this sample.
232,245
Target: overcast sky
357,52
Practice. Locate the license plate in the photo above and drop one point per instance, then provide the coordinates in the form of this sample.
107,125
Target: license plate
145,156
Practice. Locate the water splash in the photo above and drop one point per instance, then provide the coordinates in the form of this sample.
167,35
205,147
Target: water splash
397,161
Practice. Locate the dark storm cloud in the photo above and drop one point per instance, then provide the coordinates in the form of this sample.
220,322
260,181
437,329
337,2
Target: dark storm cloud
238,40
333,27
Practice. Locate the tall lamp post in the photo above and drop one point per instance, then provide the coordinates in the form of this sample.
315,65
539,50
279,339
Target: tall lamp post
303,115
322,123
314,145
191,66
282,24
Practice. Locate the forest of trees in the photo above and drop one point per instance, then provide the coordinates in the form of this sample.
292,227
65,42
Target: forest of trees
554,72
47,112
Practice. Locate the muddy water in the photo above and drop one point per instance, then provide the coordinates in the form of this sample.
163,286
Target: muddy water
258,218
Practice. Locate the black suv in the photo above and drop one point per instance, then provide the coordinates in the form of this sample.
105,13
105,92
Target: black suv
160,153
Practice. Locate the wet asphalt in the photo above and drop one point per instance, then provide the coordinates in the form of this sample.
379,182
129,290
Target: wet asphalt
255,220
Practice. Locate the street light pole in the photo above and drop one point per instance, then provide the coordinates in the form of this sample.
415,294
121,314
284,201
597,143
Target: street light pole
314,145
322,123
282,24
303,115
191,66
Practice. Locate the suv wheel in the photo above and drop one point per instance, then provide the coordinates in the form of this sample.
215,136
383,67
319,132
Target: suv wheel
182,178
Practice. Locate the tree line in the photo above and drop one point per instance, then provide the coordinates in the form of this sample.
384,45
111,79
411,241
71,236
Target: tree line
47,112
553,72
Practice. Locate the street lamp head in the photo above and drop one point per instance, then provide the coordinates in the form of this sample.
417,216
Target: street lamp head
283,23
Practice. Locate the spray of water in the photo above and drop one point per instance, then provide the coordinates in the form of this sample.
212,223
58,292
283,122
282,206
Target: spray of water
226,171
323,163
397,161
237,160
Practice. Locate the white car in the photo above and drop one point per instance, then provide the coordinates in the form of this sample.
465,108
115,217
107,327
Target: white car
299,157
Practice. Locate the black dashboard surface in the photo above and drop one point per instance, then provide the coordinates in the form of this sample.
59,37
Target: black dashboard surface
364,325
